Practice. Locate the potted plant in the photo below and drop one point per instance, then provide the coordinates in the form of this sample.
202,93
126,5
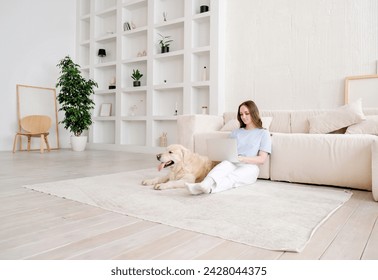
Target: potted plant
75,100
164,42
136,76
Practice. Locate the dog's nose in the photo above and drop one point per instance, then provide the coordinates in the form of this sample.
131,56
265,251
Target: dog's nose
158,156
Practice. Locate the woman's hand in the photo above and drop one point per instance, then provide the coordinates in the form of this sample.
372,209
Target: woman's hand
259,159
242,159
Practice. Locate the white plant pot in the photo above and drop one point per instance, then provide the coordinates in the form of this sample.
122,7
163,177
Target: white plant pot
78,143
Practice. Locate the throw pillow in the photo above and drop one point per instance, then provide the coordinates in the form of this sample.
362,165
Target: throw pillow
368,126
336,119
234,124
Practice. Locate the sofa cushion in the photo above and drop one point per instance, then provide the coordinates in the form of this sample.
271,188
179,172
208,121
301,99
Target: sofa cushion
370,111
280,121
228,116
368,126
189,125
336,119
234,124
330,159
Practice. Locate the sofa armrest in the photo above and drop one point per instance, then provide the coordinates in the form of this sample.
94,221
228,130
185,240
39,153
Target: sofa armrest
189,125
374,169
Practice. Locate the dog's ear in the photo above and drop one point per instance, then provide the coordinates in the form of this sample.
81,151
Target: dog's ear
185,154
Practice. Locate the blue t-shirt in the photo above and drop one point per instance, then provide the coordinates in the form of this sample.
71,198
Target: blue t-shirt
250,142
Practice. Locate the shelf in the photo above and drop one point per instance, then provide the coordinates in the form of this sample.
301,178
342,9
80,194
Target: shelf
127,70
134,118
134,15
171,54
133,132
168,102
168,69
85,8
162,87
164,126
202,17
105,6
135,46
104,119
108,38
134,104
105,23
105,64
172,82
133,32
134,3
165,118
134,60
174,9
201,84
134,89
107,12
103,131
103,74
176,23
86,17
105,92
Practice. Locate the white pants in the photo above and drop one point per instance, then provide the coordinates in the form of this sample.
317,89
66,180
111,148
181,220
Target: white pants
228,175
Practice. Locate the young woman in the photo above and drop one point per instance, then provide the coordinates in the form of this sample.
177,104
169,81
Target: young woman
254,146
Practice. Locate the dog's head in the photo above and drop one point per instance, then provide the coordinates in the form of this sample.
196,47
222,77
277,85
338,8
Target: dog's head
173,156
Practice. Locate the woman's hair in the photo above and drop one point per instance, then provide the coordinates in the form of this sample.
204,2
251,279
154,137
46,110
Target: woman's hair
254,112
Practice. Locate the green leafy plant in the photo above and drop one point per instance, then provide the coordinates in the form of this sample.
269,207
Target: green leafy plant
164,41
136,76
75,97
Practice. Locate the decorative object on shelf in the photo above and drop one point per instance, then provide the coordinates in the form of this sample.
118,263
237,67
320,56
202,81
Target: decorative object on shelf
101,53
163,140
176,109
136,76
204,110
164,42
143,53
112,83
204,8
106,110
165,16
204,74
132,25
126,26
133,109
75,100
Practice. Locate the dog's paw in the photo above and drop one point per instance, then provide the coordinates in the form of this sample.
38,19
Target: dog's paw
147,182
158,187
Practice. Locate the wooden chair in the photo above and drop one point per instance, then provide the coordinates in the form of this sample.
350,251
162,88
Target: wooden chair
34,126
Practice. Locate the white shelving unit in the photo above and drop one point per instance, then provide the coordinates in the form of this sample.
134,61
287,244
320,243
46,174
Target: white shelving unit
173,83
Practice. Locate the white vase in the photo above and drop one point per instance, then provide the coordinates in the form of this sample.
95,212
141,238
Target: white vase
78,143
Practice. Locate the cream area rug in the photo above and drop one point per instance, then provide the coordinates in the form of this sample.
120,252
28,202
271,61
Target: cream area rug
270,215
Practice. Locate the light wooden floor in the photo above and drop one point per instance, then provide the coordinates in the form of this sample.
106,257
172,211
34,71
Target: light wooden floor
38,226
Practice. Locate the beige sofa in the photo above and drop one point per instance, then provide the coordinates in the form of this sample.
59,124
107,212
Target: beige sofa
345,160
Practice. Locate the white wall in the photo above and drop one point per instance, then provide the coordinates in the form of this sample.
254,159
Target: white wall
35,35
294,54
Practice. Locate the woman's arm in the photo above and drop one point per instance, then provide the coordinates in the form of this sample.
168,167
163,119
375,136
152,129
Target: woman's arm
259,159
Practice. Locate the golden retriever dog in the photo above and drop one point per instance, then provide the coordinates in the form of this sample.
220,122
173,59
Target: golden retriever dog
185,167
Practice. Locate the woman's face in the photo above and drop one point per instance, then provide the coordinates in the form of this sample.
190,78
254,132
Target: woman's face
245,115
